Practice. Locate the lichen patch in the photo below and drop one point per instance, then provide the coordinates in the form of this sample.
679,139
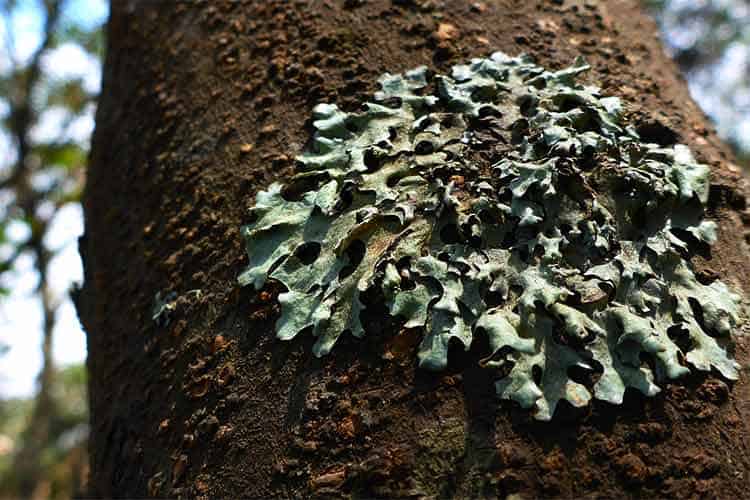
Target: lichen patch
509,201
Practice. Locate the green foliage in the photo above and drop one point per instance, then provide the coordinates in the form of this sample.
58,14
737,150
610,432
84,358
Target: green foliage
569,251
65,435
91,40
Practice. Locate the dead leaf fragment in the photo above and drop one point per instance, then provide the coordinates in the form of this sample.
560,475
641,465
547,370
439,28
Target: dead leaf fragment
447,31
154,484
219,344
163,426
480,7
346,428
226,374
268,130
178,470
199,387
330,480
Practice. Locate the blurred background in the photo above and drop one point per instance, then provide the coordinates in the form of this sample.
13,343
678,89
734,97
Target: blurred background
50,72
710,40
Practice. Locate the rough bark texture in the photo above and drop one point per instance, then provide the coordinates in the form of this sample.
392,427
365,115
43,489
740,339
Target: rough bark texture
206,103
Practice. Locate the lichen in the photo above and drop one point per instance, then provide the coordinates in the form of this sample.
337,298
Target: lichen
508,201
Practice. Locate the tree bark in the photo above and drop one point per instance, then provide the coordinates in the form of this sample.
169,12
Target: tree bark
203,105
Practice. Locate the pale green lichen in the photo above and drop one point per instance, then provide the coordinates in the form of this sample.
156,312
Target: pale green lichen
505,199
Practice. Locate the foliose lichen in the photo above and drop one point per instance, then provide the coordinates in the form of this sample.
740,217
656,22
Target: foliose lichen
507,199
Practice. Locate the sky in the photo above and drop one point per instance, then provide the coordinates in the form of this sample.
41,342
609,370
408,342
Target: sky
20,313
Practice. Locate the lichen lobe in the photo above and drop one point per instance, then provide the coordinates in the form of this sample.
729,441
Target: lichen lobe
503,200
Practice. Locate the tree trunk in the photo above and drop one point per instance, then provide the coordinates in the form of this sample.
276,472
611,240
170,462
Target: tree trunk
205,104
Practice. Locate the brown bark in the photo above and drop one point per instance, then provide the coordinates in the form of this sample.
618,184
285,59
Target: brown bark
213,404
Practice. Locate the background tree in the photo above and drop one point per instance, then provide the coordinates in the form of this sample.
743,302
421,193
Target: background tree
44,105
710,42
204,105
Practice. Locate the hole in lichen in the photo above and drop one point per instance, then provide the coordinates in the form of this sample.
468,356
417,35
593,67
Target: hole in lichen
474,241
463,268
519,130
527,104
488,217
699,317
459,358
448,121
607,288
540,83
392,102
352,126
656,132
373,298
700,247
580,375
346,197
297,188
649,360
424,148
538,252
493,299
509,240
524,254
372,160
503,352
424,123
566,103
536,374
483,94
599,218
355,252
587,122
681,337
487,111
392,180
308,252
449,234
587,159
574,299
706,277
516,291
